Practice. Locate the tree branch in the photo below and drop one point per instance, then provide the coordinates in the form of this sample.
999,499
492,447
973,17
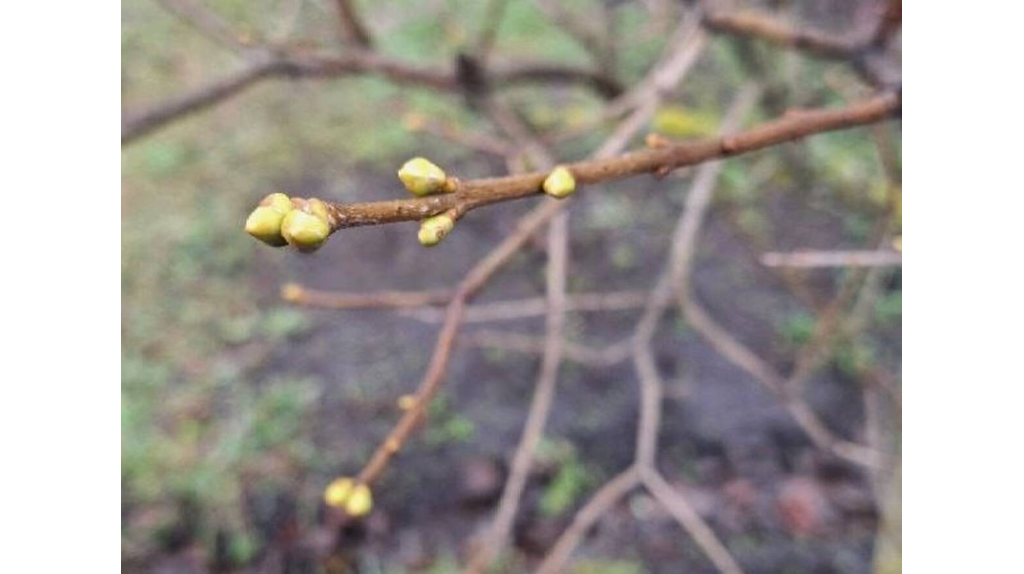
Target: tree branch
328,66
134,126
469,195
812,259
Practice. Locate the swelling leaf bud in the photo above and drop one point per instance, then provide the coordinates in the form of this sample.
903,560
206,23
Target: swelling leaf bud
338,491
421,177
360,502
560,183
306,229
434,229
264,223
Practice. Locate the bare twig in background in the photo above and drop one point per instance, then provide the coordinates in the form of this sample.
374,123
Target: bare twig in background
751,24
412,303
861,49
137,125
353,30
644,467
302,295
210,25
493,16
651,385
687,517
534,345
272,63
598,43
536,307
833,259
478,141
603,500
540,406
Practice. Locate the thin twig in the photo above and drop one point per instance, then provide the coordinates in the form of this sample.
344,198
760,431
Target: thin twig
493,16
535,345
540,406
278,63
810,258
681,509
536,307
210,25
353,31
302,295
603,500
477,141
134,126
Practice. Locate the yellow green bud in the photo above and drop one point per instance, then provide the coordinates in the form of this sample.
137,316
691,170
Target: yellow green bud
434,229
279,202
421,177
264,223
360,502
338,491
306,228
355,498
560,183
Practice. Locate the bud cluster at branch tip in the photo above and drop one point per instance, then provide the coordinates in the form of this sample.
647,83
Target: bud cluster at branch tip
264,223
560,183
355,498
434,229
421,177
306,227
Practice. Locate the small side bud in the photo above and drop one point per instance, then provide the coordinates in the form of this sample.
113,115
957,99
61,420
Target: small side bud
264,223
421,177
434,229
560,183
306,228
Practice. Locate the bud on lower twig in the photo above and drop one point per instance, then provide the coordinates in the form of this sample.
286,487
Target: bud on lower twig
421,177
434,229
264,223
560,183
306,228
354,497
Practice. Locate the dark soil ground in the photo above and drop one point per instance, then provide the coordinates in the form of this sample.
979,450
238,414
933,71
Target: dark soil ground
778,504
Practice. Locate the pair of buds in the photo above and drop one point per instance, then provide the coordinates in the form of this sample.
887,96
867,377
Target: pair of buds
354,497
280,220
421,177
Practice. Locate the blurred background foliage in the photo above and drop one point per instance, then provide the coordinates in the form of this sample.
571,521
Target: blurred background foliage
219,415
